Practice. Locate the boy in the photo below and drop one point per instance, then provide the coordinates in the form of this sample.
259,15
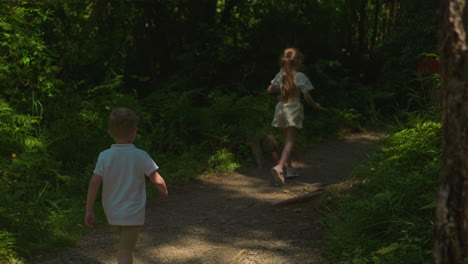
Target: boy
122,170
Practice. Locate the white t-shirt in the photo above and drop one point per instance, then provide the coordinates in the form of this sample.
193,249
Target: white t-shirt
123,168
300,80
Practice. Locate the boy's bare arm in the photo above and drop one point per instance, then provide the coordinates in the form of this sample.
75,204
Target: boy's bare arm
159,183
93,189
310,101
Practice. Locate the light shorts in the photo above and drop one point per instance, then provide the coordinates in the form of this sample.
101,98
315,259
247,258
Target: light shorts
128,236
288,114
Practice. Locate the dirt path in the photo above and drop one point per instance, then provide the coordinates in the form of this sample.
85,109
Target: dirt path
238,217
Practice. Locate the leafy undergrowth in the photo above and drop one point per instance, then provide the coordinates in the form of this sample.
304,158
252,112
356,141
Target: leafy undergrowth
388,215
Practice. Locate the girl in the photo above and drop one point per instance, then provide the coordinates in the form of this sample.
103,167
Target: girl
289,112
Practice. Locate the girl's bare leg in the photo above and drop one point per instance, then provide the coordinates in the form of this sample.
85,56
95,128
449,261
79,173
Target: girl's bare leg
288,162
289,139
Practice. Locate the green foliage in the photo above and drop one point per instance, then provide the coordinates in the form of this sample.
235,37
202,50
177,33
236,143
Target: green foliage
388,217
397,55
183,167
27,62
328,123
196,75
7,247
30,182
16,131
223,160
188,119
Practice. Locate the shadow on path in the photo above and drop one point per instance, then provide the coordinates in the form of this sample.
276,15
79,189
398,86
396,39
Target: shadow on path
233,217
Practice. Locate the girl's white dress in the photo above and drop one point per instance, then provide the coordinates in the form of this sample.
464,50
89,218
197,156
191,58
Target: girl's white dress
291,112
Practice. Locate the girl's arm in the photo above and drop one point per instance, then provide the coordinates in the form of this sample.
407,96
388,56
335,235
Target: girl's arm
159,183
272,89
310,101
93,189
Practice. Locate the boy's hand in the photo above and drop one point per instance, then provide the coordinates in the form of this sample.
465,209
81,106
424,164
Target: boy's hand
162,191
89,219
159,183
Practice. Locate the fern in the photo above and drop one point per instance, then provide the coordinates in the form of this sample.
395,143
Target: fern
16,130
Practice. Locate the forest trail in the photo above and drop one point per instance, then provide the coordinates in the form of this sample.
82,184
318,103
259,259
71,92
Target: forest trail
236,217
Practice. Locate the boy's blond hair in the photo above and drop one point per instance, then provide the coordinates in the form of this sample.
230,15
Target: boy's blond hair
122,122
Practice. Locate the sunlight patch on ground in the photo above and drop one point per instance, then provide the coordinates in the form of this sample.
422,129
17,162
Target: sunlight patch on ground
194,248
239,186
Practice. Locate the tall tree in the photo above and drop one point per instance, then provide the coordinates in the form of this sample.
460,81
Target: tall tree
451,229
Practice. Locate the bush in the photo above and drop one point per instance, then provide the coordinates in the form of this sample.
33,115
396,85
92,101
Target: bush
7,247
223,160
387,218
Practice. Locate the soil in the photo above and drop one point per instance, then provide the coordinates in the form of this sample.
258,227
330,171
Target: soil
238,217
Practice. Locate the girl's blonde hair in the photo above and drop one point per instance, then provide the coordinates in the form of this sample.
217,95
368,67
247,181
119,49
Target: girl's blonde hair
122,122
290,61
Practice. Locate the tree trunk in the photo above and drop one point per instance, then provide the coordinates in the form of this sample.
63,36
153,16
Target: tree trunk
451,227
375,32
362,30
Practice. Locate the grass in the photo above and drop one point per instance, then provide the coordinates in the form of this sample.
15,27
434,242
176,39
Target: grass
387,218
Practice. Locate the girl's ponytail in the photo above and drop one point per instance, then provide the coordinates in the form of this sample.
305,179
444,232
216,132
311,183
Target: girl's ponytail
290,62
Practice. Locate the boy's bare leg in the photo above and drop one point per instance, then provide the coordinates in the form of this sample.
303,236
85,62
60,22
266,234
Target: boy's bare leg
128,238
125,257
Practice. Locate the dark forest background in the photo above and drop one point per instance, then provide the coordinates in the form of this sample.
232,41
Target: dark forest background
196,72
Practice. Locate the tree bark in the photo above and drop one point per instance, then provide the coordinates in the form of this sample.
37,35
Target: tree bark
451,227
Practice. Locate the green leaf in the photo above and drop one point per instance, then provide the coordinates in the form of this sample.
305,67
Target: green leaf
430,205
